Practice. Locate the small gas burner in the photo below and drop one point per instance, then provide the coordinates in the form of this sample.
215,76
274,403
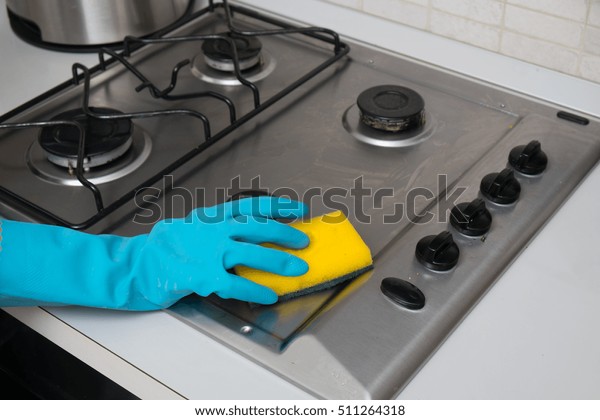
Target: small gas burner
215,64
105,139
389,116
218,53
391,108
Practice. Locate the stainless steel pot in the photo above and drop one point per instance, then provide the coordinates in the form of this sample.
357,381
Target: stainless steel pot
93,22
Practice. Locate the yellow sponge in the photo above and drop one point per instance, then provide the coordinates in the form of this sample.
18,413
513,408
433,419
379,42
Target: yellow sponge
336,253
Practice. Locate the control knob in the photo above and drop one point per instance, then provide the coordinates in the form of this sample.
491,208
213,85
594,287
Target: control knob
501,187
471,219
438,252
528,159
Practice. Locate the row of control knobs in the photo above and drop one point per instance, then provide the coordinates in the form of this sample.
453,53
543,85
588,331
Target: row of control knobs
440,252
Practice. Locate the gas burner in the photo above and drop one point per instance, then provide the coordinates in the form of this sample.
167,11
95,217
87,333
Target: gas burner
218,53
105,139
389,116
215,64
391,108
133,151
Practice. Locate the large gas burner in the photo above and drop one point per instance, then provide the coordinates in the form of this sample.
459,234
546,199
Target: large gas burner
389,116
391,108
105,139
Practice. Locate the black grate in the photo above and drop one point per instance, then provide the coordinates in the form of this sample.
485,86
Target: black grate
82,74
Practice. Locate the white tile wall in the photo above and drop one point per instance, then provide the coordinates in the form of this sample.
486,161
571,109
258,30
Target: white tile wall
482,11
539,52
407,12
562,35
542,26
466,30
594,16
591,42
589,67
569,9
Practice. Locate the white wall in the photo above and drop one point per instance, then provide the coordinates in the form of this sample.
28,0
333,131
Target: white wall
562,35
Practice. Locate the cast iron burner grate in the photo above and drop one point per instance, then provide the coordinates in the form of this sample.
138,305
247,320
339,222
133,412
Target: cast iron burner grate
82,74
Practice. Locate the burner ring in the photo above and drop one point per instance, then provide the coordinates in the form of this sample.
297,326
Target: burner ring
391,108
105,139
352,122
228,66
208,74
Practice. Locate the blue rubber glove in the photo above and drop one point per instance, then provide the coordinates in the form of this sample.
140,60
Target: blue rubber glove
50,265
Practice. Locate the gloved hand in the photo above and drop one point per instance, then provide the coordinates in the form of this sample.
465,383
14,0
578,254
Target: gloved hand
50,265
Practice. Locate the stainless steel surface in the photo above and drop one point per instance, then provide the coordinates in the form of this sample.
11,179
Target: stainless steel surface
349,342
355,343
84,22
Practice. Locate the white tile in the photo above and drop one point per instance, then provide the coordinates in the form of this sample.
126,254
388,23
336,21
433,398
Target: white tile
401,11
591,40
589,68
465,30
539,52
546,27
568,9
354,4
484,11
594,16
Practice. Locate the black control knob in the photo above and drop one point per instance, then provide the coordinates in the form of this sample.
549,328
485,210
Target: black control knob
438,252
528,159
501,187
403,293
471,219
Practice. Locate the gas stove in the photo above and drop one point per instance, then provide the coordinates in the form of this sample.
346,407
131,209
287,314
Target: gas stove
392,142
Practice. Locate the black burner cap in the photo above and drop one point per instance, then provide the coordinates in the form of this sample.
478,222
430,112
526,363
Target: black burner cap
218,49
391,108
101,135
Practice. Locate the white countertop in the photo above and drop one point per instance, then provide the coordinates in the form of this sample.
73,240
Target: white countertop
534,335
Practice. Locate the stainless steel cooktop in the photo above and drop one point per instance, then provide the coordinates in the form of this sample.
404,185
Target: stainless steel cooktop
368,337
